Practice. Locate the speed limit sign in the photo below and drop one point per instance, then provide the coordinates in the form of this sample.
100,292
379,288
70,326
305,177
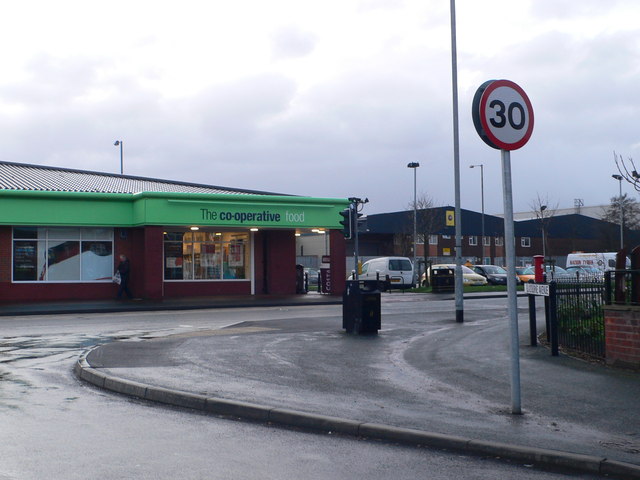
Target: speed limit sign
503,117
502,114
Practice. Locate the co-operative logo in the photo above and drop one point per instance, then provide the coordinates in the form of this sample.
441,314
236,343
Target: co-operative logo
264,216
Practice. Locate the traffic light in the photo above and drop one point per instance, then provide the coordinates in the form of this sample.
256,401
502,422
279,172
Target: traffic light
347,222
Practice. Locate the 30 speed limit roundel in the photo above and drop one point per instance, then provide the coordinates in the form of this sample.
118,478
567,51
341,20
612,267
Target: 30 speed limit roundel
502,114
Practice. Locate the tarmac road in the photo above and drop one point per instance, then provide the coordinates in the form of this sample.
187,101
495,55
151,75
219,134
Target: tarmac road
56,427
423,371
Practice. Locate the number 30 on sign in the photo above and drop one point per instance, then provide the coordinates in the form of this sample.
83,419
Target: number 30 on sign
502,114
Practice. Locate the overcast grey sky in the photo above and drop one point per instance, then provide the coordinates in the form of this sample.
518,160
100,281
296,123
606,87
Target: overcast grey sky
327,99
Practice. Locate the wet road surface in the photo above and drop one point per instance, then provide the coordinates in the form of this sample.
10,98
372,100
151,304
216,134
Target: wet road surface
54,427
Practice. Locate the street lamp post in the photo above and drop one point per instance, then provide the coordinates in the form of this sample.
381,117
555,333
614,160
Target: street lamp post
482,199
619,178
120,143
414,166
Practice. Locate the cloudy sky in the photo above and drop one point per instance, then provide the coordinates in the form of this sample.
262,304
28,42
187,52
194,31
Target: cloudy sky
326,99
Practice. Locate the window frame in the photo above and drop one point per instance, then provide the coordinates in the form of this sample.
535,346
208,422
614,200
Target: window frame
47,238
221,249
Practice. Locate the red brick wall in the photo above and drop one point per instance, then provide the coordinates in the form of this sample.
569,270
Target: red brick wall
281,262
5,254
205,289
144,248
153,271
259,241
622,332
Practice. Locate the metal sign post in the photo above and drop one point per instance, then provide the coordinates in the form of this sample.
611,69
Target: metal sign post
503,117
510,247
456,169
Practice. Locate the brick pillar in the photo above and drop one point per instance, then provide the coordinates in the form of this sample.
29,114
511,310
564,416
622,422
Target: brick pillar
337,265
280,257
152,265
622,335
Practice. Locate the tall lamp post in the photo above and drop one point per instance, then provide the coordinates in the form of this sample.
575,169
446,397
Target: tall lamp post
414,166
482,198
619,178
120,143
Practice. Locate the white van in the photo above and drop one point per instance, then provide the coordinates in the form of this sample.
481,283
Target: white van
396,271
602,261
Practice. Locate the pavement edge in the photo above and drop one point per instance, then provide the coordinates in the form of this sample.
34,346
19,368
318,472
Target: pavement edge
549,459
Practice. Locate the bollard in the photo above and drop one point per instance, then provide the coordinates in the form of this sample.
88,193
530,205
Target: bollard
533,329
553,320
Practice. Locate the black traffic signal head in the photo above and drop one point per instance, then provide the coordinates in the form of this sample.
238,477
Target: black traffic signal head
346,222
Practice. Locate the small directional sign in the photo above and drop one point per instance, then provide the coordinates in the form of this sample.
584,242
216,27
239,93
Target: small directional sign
537,289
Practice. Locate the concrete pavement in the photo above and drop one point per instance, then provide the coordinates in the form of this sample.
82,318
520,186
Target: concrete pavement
168,371
140,305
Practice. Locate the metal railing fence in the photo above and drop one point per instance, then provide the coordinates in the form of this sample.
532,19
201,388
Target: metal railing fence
579,315
622,287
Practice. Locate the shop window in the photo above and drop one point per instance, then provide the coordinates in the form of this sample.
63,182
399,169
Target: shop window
206,256
62,254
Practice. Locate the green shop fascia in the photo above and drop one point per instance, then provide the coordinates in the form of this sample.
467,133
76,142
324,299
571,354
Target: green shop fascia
75,237
44,208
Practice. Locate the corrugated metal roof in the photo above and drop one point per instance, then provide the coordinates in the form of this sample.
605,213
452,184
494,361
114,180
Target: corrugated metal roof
20,176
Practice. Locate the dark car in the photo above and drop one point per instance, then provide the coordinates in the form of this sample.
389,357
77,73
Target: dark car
551,273
494,274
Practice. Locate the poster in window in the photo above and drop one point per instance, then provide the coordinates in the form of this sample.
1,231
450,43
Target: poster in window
236,255
174,262
207,258
25,261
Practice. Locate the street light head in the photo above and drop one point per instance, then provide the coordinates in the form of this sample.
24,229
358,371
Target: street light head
413,165
617,177
480,165
635,174
543,208
116,143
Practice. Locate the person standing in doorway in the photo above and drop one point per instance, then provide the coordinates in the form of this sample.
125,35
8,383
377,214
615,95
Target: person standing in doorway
124,268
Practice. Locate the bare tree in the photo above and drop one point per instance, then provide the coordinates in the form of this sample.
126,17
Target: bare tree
630,212
628,171
544,211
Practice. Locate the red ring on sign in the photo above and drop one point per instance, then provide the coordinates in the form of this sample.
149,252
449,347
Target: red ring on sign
487,128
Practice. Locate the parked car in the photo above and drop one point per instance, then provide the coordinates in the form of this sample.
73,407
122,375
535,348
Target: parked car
519,272
397,272
553,273
494,274
585,272
469,277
